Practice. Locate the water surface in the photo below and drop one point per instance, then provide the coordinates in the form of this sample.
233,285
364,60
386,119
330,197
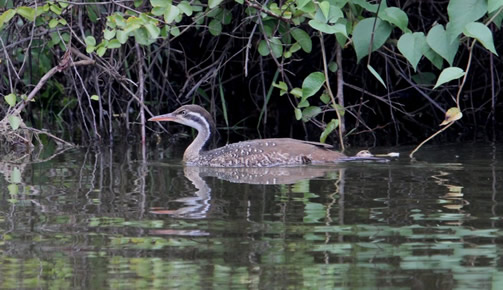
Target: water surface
105,219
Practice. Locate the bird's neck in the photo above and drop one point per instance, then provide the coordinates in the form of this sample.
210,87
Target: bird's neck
199,145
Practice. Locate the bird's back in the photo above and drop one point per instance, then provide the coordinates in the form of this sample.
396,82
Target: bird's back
269,152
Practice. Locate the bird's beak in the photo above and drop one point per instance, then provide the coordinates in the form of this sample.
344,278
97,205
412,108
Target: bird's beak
166,117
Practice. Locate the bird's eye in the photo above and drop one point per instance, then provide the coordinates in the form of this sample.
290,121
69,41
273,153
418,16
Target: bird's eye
183,112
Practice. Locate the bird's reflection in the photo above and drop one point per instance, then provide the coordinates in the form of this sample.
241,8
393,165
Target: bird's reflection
197,206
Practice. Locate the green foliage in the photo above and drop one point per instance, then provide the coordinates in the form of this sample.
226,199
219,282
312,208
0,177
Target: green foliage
364,33
449,74
412,45
480,32
283,33
439,42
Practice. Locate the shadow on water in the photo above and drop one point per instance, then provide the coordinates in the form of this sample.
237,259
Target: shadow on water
103,219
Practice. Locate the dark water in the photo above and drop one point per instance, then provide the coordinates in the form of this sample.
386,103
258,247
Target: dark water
104,219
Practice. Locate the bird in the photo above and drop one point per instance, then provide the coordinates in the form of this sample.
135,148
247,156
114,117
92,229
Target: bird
253,153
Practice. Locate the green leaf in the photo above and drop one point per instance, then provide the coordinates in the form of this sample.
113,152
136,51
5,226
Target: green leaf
411,45
215,27
13,189
325,8
362,35
449,74
296,92
328,29
310,112
171,13
325,98
15,176
312,84
433,57
153,30
26,12
95,98
376,75
114,43
14,122
276,46
493,5
214,3
122,36
281,85
10,99
303,39
62,21
160,3
53,23
462,12
185,7
298,114
396,16
302,3
438,41
109,34
332,66
7,16
56,9
101,51
303,104
334,123
481,33
90,40
262,48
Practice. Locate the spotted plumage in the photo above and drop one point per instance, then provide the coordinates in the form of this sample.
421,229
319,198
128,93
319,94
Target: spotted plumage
253,153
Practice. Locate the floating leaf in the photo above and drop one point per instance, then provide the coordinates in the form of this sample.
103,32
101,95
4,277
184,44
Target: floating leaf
10,99
312,84
334,123
438,41
482,33
14,122
453,114
411,45
303,39
101,51
449,74
362,35
95,98
376,75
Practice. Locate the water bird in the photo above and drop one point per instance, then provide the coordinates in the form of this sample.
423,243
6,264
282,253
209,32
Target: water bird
252,153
